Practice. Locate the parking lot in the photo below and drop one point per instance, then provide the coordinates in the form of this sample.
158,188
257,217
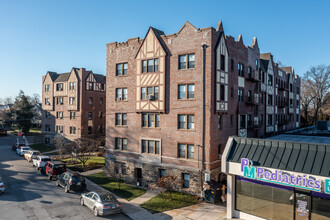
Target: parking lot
30,195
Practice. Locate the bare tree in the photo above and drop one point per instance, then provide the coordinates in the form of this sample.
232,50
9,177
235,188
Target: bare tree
307,97
167,182
60,142
84,149
318,80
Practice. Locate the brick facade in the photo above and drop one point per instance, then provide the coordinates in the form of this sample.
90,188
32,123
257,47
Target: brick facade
214,103
74,98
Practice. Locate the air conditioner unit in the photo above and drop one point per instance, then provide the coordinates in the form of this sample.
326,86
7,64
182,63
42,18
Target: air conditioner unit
151,97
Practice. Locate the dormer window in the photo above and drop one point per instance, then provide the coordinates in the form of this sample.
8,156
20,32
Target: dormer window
90,86
222,64
150,65
257,65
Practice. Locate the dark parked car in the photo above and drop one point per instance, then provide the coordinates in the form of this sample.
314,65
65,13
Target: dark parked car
15,146
53,169
71,181
102,203
3,131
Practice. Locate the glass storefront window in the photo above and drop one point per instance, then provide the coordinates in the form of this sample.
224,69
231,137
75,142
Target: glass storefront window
268,201
320,206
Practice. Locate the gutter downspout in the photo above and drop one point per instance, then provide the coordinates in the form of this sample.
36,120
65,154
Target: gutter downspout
203,129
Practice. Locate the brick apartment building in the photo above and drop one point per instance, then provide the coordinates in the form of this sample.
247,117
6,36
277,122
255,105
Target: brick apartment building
73,104
173,101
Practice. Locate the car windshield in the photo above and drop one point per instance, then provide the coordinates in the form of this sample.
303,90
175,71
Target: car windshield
25,148
36,153
108,198
77,179
45,159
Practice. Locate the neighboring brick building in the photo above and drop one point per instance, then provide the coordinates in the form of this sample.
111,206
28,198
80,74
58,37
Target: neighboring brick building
173,101
73,104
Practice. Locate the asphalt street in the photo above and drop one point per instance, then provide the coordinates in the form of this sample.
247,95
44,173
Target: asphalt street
31,196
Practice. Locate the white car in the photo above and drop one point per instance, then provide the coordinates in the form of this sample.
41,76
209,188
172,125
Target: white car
40,161
2,186
31,154
21,151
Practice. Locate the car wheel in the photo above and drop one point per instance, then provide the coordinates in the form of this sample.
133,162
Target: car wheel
66,189
49,177
96,213
82,202
57,183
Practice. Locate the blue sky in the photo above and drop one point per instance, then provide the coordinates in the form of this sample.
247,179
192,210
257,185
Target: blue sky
37,36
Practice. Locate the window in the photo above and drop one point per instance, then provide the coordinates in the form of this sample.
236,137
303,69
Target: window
222,92
249,72
47,88
101,114
261,197
150,120
59,129
102,86
120,143
257,66
256,110
59,87
152,93
231,92
150,65
59,115
186,151
90,129
121,94
270,100
241,69
187,61
249,96
47,140
72,85
241,95
121,119
121,69
186,180
242,121
162,173
270,120
270,80
150,146
59,100
47,114
47,101
101,100
90,100
291,87
249,120
297,90
261,119
186,122
72,100
90,115
47,127
72,115
90,86
222,64
291,103
72,130
297,118
297,103
261,98
231,120
219,122
232,64
219,150
187,91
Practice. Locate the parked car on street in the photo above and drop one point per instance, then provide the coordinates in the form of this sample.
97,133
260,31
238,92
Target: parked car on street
102,203
3,132
2,186
71,181
31,154
22,150
53,169
39,161
15,146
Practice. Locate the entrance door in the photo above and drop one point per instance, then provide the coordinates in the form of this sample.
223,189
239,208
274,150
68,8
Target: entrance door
138,176
302,205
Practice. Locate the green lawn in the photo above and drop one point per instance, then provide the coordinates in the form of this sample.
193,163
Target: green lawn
126,192
42,147
165,202
100,160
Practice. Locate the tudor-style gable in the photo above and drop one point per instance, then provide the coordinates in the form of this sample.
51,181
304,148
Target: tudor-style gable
150,73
